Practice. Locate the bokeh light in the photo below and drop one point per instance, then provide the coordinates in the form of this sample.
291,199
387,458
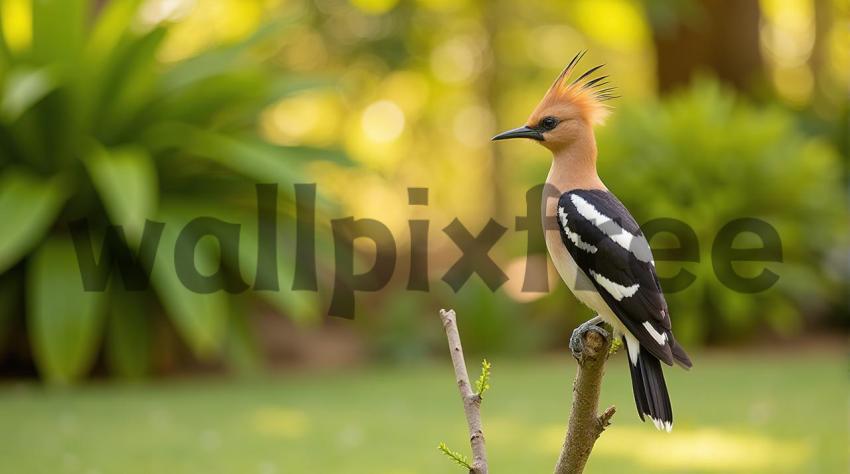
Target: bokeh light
382,121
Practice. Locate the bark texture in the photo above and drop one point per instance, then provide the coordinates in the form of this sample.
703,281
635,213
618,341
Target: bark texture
585,425
720,36
471,401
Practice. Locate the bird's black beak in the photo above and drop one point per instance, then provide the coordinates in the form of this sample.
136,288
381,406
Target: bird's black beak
521,132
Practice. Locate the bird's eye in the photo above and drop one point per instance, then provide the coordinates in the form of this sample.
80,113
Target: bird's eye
548,123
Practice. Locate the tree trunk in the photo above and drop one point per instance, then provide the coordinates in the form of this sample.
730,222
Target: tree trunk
719,36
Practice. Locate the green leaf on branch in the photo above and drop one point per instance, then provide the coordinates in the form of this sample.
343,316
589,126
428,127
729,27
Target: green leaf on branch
483,382
455,456
615,346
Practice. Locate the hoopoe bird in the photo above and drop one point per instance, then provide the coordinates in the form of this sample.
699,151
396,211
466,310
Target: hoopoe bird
595,243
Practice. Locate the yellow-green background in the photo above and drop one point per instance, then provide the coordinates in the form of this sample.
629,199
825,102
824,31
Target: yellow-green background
122,110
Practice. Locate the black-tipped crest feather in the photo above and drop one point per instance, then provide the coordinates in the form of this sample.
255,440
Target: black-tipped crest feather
567,70
589,72
592,82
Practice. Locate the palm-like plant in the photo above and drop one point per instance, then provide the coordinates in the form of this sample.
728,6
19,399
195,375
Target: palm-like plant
93,127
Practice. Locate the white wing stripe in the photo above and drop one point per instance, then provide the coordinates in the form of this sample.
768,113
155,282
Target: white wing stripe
574,237
616,290
659,338
588,210
623,238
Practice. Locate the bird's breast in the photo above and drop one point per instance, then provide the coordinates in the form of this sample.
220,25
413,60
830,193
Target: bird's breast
577,281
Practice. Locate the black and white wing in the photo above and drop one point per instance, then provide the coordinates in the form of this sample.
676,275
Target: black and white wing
609,247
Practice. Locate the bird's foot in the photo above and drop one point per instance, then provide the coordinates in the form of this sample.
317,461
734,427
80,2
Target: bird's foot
577,339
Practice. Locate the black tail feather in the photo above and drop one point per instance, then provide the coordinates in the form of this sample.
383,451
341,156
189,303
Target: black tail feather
679,354
650,390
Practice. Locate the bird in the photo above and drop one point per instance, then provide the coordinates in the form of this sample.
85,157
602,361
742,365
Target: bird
595,244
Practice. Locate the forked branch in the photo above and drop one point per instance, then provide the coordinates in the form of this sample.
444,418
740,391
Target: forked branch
590,345
471,400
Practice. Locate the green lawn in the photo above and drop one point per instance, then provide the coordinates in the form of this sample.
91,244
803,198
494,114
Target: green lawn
757,414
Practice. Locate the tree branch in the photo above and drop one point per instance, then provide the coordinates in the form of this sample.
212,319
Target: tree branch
590,345
585,425
471,401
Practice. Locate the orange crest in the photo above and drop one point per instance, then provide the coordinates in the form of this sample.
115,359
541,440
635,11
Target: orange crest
584,93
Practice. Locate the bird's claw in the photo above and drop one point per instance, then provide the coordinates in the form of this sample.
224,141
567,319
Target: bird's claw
577,339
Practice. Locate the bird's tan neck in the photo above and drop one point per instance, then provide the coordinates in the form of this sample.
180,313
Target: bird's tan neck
574,167
567,178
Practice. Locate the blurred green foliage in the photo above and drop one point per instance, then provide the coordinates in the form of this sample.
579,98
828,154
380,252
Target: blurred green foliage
400,326
706,158
111,116
94,125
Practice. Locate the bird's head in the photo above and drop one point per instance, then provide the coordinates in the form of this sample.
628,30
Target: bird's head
568,111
